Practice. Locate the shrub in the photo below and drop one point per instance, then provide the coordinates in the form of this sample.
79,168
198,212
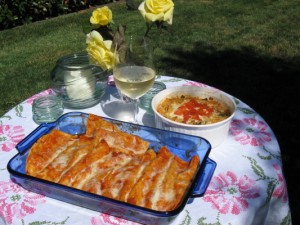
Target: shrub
18,12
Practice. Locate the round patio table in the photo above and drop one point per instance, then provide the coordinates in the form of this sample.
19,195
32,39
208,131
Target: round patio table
248,185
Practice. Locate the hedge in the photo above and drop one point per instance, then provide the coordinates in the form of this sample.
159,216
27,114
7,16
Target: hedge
18,12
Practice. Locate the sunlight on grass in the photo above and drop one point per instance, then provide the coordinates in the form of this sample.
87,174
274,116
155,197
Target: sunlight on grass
29,52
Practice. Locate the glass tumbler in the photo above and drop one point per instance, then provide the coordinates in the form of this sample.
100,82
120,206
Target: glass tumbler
47,109
145,100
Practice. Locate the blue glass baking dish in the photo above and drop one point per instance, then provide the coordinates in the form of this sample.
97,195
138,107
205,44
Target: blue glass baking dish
184,146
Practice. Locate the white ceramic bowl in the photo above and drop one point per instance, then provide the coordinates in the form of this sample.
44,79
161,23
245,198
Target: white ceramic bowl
215,133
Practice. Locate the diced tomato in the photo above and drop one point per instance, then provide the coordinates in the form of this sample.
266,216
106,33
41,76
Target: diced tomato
193,110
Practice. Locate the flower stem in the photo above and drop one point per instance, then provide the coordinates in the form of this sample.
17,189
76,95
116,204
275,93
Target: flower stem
149,25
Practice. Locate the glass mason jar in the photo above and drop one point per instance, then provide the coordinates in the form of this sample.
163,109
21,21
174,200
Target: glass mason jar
46,109
79,83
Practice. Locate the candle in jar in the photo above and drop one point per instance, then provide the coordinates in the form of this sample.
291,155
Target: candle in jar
80,85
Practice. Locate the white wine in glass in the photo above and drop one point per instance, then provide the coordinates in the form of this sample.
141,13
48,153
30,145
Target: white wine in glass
134,81
136,75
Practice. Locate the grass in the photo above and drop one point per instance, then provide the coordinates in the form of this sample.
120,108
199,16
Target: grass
250,49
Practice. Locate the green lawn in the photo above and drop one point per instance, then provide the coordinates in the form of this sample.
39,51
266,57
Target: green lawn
203,31
250,49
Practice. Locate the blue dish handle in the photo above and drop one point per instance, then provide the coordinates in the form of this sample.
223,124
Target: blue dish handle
30,139
204,178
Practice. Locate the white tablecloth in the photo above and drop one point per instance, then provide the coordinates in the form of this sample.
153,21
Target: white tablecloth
248,186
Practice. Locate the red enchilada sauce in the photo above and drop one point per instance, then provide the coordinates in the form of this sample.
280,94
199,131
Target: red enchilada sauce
193,110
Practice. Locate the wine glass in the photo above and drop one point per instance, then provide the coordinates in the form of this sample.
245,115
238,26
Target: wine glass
136,74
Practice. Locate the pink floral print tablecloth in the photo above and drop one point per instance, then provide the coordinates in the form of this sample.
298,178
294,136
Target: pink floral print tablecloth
248,186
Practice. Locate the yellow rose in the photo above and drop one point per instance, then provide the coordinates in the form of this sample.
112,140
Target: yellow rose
157,10
100,51
101,16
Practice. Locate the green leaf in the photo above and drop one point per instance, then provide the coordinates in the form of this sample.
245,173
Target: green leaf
49,222
256,168
187,219
270,189
202,219
19,110
286,220
264,157
172,80
8,117
270,155
246,110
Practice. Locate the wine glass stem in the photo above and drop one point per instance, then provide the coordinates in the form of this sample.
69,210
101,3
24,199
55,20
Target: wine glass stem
136,110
